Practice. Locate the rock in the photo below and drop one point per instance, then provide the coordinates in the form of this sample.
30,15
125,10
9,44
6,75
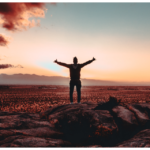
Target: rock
40,132
69,108
141,116
106,130
78,125
31,142
8,140
21,122
144,108
5,133
126,122
78,122
141,139
108,105
17,129
106,119
124,117
39,142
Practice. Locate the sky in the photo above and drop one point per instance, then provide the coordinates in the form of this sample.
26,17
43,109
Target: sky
117,35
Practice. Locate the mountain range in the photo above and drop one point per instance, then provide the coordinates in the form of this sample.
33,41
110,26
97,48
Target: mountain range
33,79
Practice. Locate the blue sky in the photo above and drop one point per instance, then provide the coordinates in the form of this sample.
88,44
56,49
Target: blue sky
128,19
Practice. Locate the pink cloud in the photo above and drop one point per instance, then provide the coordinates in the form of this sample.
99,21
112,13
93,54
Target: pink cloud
3,40
15,16
4,66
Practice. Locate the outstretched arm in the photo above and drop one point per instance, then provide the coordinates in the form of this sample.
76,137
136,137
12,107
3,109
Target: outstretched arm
88,62
62,64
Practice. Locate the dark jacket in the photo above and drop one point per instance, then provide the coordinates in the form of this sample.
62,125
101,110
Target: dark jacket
74,72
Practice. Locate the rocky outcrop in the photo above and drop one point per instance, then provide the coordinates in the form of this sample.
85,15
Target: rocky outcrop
28,130
78,125
141,139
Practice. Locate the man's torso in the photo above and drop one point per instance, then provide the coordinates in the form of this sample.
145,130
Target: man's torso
75,71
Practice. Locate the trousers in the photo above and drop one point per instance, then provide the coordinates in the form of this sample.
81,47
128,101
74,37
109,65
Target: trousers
76,83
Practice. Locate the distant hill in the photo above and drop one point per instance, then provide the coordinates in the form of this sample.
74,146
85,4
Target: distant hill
33,79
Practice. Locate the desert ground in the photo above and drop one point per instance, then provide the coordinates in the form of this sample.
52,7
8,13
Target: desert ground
37,98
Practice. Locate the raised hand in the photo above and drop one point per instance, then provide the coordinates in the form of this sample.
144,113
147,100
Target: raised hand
93,59
55,61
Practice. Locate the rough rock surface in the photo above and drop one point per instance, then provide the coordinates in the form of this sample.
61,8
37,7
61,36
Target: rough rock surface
141,139
78,125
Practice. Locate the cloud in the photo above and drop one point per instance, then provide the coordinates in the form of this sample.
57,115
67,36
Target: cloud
15,16
4,66
3,40
18,66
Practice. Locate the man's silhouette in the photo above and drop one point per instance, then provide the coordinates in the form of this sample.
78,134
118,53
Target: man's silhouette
75,76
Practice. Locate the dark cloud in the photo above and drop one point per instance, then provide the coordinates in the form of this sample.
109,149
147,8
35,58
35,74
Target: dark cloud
15,16
4,66
3,40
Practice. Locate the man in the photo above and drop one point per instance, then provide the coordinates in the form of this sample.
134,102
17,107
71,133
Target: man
75,76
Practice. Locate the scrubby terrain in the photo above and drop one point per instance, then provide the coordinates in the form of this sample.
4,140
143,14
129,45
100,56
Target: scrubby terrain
36,98
119,120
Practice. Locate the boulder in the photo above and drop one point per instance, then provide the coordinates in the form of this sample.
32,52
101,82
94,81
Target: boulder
69,108
5,133
106,119
78,125
143,107
107,129
44,132
140,114
108,105
126,122
39,142
124,117
78,122
8,140
28,130
21,121
141,139
27,141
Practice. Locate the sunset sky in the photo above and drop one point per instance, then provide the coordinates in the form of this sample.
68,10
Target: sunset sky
116,34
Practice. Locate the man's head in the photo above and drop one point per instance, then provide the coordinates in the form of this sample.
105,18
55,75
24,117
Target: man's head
75,60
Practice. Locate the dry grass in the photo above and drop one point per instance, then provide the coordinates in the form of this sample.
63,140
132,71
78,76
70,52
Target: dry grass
38,98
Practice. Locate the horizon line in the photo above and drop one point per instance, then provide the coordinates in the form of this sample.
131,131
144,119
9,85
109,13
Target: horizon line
80,78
